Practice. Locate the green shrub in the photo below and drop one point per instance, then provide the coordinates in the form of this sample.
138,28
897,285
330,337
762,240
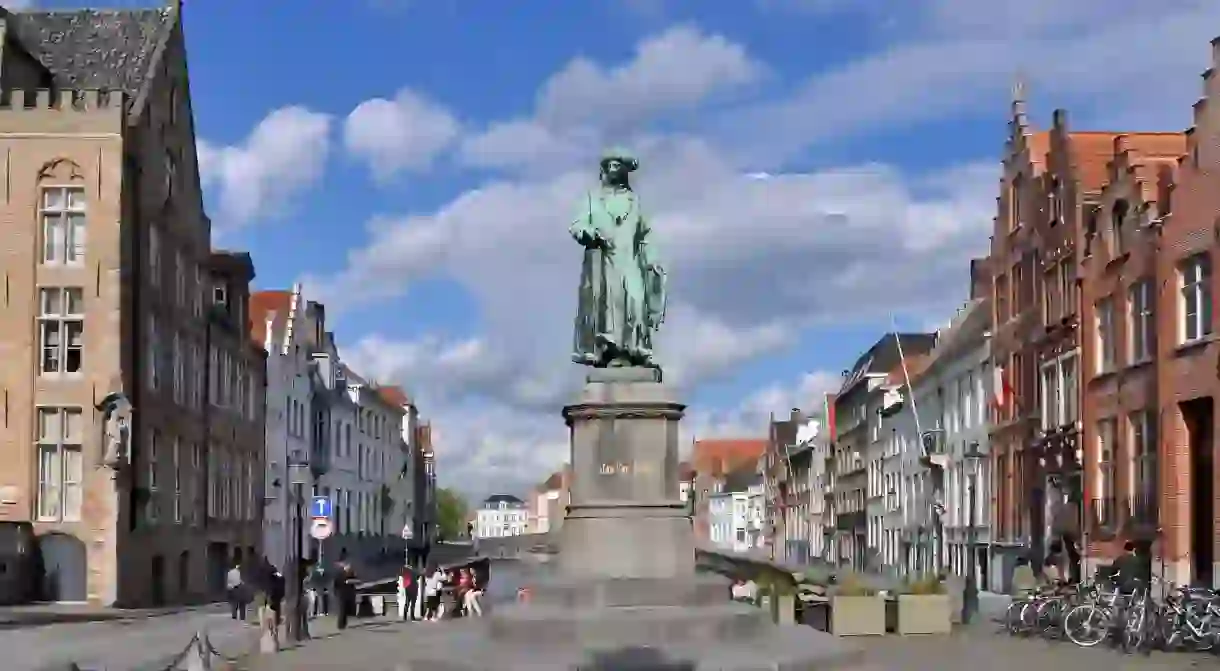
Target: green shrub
928,583
851,584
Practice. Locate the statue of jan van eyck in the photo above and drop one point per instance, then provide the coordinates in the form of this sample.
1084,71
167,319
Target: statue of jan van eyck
622,283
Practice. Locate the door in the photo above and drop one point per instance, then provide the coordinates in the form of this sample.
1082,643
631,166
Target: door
65,567
158,580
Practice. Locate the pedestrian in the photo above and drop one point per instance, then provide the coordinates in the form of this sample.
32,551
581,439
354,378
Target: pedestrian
235,591
320,579
274,588
432,594
345,590
474,593
407,587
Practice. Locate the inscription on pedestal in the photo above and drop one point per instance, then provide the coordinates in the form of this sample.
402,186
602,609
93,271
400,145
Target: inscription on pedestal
625,468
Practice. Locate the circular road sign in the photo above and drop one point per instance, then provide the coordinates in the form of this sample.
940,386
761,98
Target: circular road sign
320,529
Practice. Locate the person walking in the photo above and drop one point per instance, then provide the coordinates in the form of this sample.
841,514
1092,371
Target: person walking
345,590
474,592
432,594
407,586
235,592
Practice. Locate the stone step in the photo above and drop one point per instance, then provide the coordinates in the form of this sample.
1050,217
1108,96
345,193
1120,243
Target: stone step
630,625
698,590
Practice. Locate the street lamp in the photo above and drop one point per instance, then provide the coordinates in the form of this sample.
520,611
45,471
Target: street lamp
298,476
973,458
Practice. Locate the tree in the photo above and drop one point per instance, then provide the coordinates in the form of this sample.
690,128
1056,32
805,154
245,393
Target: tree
451,513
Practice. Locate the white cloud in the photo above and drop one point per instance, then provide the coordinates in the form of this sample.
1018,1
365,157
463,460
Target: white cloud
261,177
585,103
961,57
757,253
398,135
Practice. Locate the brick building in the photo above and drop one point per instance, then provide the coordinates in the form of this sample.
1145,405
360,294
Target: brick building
1015,246
132,440
1118,272
1188,356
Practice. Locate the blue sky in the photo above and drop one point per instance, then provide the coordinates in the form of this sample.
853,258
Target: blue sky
816,169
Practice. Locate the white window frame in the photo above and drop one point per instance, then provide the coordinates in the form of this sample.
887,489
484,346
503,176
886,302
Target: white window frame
1107,348
64,244
60,485
61,313
1142,437
1141,322
197,467
1107,437
1195,276
1052,399
180,277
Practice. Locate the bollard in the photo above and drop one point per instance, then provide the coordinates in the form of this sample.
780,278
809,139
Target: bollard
198,654
269,636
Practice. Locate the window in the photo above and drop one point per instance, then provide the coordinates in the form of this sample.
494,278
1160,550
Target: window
151,481
1196,290
154,353
1015,214
197,294
1067,288
1143,455
197,484
1106,435
1050,299
1118,219
1069,385
61,327
176,457
178,383
1001,299
1017,279
1056,201
1106,337
1142,325
60,466
63,226
180,278
154,256
1051,399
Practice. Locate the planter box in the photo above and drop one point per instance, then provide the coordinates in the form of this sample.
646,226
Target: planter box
857,616
924,614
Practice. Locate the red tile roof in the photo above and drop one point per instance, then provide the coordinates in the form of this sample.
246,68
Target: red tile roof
262,304
718,456
394,396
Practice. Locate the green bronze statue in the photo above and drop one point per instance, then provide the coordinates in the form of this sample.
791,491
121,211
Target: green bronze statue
622,284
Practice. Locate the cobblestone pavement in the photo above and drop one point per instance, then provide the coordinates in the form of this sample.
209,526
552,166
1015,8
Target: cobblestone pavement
120,645
982,647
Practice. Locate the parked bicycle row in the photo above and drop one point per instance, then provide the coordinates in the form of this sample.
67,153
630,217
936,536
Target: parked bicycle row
1182,618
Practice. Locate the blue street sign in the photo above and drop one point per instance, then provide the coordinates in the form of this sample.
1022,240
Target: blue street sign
319,508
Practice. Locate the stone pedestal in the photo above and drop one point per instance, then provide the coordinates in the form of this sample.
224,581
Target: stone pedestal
626,595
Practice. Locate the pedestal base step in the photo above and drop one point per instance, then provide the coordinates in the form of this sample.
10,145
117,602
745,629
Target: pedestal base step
634,625
698,590
782,648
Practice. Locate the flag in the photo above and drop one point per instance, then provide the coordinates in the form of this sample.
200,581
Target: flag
1003,395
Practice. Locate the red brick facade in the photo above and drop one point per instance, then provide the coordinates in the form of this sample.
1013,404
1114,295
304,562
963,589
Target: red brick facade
1103,290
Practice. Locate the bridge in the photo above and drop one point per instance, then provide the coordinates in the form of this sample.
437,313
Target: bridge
517,547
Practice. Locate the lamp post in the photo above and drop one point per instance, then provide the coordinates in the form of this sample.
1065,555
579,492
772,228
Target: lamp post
298,477
970,598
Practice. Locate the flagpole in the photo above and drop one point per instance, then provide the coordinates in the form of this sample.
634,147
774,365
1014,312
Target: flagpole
906,375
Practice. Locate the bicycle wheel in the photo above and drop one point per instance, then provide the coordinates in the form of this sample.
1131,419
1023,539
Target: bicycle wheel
1086,625
1048,616
1029,616
1133,631
1012,617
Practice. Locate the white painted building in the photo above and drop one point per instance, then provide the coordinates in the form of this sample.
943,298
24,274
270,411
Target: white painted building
950,395
501,515
280,325
900,456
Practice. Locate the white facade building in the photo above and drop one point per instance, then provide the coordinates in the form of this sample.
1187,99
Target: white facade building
950,397
289,402
501,515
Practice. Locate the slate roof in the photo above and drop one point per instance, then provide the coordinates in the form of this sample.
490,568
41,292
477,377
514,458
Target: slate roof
95,49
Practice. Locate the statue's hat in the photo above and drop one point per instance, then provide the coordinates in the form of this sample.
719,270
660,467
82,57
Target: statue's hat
621,155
